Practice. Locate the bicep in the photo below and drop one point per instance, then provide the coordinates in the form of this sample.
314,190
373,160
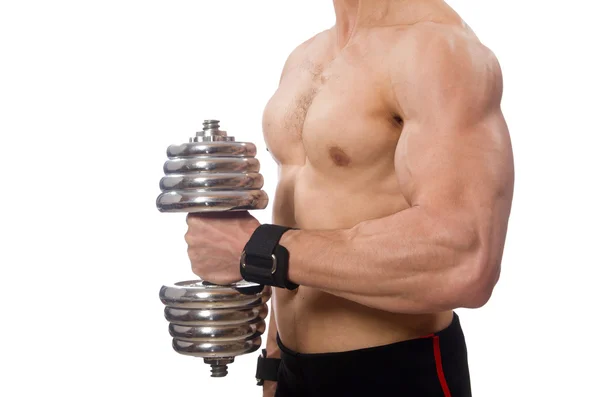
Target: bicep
454,151
453,166
457,168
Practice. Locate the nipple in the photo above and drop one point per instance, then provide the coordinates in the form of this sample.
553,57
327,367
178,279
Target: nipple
338,156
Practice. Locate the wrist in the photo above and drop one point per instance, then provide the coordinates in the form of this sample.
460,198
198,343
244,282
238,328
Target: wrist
288,240
264,260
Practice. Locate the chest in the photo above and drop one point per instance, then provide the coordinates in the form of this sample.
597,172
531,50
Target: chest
331,113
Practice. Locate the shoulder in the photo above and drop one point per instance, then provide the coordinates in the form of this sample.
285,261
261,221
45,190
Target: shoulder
299,54
438,48
446,62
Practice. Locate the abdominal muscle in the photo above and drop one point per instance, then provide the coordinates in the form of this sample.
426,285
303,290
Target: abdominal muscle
312,321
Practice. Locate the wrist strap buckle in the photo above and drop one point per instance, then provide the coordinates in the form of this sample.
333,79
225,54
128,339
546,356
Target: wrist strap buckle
264,261
273,259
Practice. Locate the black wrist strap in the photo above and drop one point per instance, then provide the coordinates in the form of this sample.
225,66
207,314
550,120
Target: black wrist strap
264,261
266,368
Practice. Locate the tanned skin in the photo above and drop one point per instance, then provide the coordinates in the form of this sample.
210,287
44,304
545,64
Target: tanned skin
395,163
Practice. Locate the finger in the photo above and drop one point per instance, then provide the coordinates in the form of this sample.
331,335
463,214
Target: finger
225,215
190,217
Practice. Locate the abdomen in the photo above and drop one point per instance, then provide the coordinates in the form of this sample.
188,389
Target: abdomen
310,320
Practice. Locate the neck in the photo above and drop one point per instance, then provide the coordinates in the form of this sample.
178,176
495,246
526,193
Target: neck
353,14
346,17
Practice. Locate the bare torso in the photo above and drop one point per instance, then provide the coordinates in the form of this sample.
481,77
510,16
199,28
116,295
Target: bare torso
331,128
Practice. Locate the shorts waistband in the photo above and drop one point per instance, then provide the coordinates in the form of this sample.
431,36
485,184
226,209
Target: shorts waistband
451,339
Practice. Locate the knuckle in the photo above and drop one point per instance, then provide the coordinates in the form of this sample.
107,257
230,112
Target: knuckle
189,238
198,272
189,219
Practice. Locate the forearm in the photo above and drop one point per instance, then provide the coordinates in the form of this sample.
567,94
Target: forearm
409,262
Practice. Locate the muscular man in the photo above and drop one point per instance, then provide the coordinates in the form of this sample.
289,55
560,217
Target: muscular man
396,177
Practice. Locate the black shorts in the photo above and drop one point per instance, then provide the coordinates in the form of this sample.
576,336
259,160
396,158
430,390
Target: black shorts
433,365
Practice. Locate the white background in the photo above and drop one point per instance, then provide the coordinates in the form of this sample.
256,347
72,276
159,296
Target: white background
92,93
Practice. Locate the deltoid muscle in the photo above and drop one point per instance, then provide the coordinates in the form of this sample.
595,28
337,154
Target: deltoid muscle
213,173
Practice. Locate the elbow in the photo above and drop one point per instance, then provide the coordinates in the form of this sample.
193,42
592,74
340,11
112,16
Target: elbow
478,278
474,298
472,267
469,285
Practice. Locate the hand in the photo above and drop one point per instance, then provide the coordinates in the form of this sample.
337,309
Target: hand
215,244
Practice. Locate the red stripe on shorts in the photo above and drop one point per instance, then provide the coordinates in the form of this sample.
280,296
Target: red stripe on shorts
438,364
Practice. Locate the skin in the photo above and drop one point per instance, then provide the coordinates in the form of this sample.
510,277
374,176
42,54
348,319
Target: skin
395,163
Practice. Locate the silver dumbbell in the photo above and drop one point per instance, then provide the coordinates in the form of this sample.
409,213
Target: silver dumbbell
213,173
